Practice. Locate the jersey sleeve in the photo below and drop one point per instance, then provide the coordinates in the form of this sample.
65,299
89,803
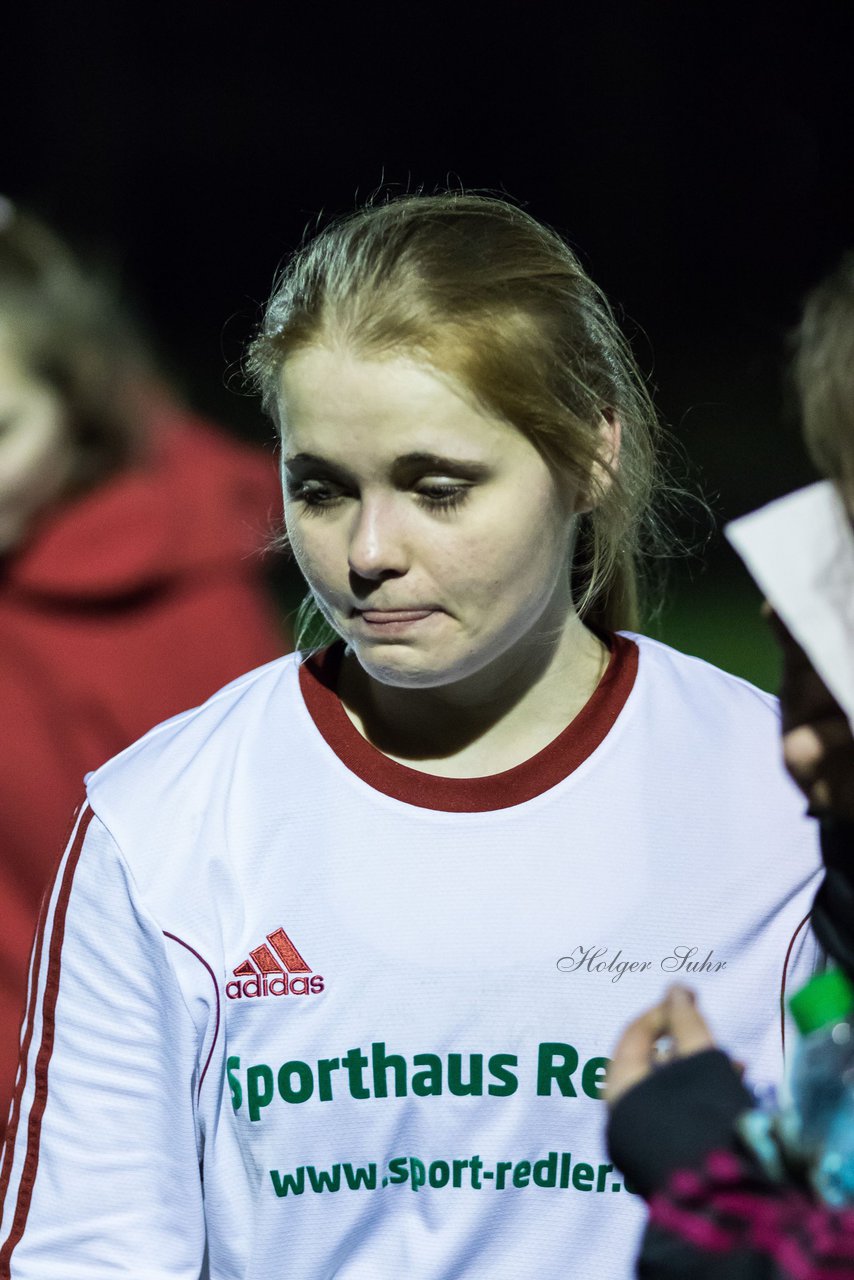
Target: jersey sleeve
101,1170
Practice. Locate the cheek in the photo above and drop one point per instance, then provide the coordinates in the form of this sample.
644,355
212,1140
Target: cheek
523,550
296,539
315,549
292,529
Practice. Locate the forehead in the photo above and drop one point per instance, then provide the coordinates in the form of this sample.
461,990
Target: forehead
333,401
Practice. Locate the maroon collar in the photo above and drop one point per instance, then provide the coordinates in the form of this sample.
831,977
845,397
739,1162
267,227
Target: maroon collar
318,680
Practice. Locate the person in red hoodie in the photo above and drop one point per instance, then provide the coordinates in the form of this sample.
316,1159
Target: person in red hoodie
131,580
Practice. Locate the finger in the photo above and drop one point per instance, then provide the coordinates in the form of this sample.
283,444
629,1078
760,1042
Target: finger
689,1029
640,1035
633,1057
807,747
803,752
820,759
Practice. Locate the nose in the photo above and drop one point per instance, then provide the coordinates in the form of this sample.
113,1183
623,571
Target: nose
378,546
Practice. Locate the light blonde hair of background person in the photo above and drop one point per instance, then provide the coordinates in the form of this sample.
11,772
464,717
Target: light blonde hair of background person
62,319
823,369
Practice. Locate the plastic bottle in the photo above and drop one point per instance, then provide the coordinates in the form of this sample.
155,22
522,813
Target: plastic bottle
822,1084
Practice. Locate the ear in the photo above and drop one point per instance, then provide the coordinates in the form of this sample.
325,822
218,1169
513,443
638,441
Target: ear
606,465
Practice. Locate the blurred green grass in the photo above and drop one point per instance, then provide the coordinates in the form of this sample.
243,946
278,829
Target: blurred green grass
717,617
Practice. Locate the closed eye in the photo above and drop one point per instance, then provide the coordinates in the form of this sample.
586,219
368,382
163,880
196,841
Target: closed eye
323,495
314,493
442,497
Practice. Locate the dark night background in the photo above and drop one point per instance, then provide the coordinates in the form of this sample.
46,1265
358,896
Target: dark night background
698,156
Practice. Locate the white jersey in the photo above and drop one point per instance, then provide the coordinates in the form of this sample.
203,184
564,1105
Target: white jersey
299,1011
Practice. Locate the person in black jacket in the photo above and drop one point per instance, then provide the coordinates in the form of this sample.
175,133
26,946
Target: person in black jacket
715,1209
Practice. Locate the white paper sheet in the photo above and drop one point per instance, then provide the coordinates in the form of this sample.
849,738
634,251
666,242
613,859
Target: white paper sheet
800,550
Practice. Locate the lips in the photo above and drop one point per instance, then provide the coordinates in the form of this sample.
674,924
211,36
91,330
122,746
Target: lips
394,615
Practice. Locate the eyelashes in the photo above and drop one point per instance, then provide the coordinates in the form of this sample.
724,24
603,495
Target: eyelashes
443,497
317,497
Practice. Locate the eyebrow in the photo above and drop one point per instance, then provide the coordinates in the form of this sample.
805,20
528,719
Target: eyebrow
403,468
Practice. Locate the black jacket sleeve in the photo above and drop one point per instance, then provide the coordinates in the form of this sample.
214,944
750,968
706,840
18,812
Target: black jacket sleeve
675,1117
714,1213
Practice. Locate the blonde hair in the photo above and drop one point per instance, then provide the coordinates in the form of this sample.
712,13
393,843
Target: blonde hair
63,321
823,369
484,292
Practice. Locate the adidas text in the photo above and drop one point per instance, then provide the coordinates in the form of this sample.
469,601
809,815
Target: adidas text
279,984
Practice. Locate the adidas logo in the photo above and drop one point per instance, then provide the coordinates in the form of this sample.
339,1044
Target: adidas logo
275,968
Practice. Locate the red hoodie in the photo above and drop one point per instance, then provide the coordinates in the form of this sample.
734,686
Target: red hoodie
135,602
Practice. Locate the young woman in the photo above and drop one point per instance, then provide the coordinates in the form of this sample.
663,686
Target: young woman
130,581
327,978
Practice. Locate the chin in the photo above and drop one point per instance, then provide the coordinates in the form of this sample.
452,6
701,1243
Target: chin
403,669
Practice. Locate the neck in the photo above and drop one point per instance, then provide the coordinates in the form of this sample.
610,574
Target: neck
488,722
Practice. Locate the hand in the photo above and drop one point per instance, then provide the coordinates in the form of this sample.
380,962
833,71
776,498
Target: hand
636,1055
818,746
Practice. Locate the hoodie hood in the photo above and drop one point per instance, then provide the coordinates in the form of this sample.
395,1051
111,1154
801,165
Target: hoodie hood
199,501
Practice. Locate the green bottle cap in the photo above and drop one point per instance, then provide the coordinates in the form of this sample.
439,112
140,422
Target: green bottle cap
827,998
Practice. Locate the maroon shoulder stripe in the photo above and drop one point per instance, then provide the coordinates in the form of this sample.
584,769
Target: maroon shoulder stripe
784,980
24,1052
51,991
202,960
28,1020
